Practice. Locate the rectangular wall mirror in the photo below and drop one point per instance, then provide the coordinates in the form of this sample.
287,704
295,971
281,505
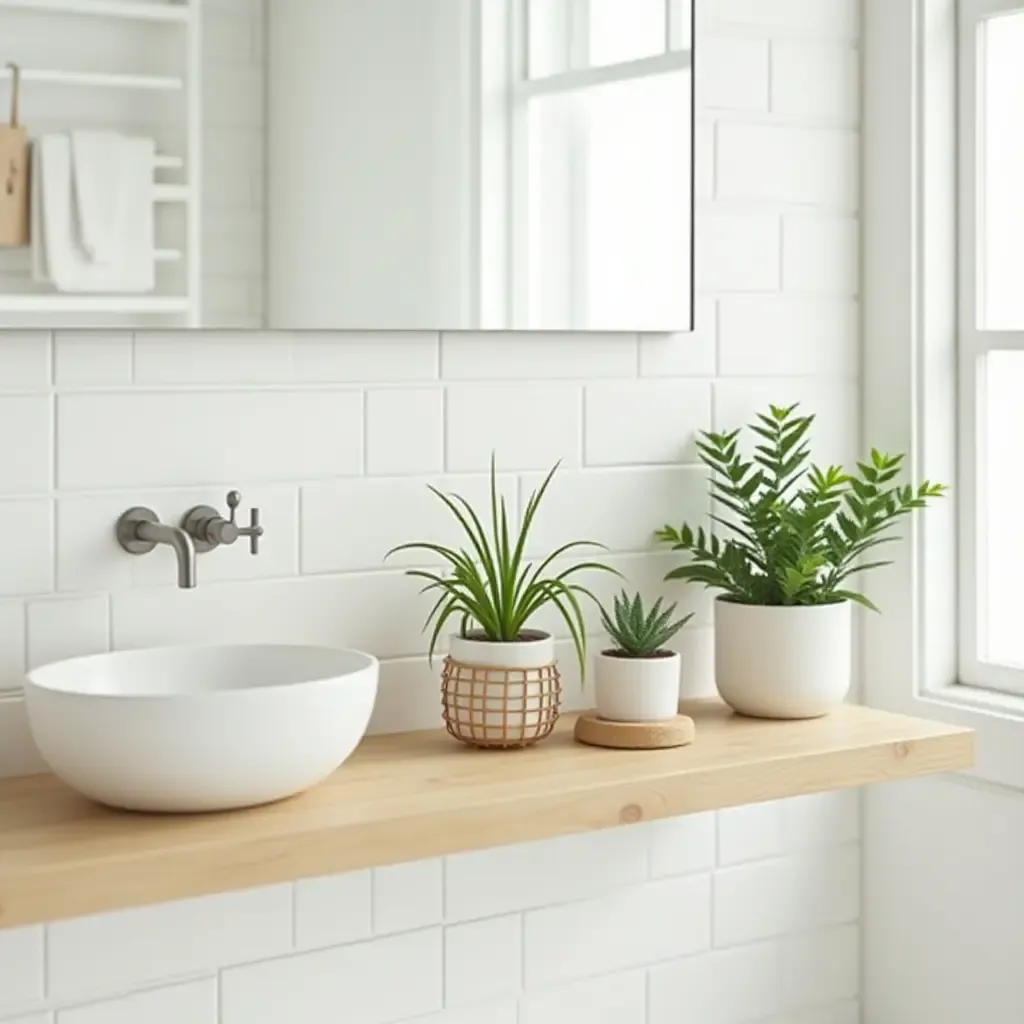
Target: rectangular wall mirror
351,164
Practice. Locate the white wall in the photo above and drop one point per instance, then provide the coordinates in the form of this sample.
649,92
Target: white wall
943,904
334,437
368,219
234,163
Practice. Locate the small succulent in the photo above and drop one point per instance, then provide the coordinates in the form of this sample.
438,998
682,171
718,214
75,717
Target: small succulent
636,632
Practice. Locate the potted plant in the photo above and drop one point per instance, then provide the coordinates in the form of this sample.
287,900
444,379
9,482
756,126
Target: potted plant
794,535
637,679
500,686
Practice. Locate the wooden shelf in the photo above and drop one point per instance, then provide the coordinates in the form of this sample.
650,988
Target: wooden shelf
417,795
128,9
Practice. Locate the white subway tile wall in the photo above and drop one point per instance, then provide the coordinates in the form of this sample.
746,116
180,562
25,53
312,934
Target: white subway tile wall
408,896
194,1002
335,437
483,960
333,910
638,925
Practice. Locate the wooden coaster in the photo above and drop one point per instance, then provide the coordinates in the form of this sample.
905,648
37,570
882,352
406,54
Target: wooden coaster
597,732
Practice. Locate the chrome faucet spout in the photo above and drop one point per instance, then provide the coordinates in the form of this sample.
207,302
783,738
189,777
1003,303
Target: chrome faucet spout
139,531
180,542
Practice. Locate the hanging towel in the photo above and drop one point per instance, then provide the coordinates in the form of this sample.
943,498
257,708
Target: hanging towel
62,255
37,239
98,161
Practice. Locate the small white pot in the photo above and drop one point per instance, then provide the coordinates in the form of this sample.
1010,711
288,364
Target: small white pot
636,689
501,694
537,650
783,661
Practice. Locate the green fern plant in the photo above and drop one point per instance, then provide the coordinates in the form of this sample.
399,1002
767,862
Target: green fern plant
490,586
795,533
637,632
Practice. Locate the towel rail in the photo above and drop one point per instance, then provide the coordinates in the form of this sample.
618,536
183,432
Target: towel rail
98,80
62,303
182,167
171,193
173,13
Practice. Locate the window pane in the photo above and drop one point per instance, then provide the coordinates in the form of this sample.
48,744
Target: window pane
1001,530
609,202
550,30
571,35
1001,220
622,30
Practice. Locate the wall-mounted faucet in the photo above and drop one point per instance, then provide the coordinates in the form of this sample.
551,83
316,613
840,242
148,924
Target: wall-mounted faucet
209,529
139,531
202,529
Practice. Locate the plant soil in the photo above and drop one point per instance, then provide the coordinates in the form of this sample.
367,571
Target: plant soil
525,637
615,653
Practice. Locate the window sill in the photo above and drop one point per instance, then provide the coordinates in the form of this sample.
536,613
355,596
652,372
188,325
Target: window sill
996,718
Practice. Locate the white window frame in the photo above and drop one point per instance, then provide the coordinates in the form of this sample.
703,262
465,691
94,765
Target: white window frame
579,76
974,344
909,653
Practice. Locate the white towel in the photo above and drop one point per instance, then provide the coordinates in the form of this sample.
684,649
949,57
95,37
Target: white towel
60,253
98,161
37,239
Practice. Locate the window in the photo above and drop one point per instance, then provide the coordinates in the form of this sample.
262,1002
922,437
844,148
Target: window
598,153
934,370
991,344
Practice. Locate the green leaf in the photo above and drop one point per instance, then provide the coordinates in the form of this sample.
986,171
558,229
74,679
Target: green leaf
450,609
856,598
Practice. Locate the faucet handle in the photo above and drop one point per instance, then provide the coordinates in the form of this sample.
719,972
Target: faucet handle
209,529
254,530
234,499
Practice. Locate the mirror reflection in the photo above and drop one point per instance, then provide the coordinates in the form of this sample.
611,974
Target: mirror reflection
348,164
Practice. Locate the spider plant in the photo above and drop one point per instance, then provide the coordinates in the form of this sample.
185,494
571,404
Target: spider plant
489,585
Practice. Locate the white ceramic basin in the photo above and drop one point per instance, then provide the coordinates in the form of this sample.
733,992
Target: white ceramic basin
181,729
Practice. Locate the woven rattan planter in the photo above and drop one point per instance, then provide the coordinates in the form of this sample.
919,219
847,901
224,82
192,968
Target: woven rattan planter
501,695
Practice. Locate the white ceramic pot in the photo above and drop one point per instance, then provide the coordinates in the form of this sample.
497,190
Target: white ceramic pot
535,650
501,694
636,689
783,662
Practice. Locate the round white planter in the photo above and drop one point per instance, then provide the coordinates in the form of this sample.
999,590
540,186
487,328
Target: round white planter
783,662
534,652
636,689
501,694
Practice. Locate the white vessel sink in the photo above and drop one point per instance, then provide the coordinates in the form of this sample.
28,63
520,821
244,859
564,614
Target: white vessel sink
184,729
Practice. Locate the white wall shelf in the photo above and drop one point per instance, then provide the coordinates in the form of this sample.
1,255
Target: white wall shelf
31,23
97,80
171,193
130,9
131,304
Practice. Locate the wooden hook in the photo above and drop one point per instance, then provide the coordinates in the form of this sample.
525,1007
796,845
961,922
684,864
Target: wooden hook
15,92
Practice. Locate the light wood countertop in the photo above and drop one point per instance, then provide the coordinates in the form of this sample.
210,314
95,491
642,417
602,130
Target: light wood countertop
406,797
